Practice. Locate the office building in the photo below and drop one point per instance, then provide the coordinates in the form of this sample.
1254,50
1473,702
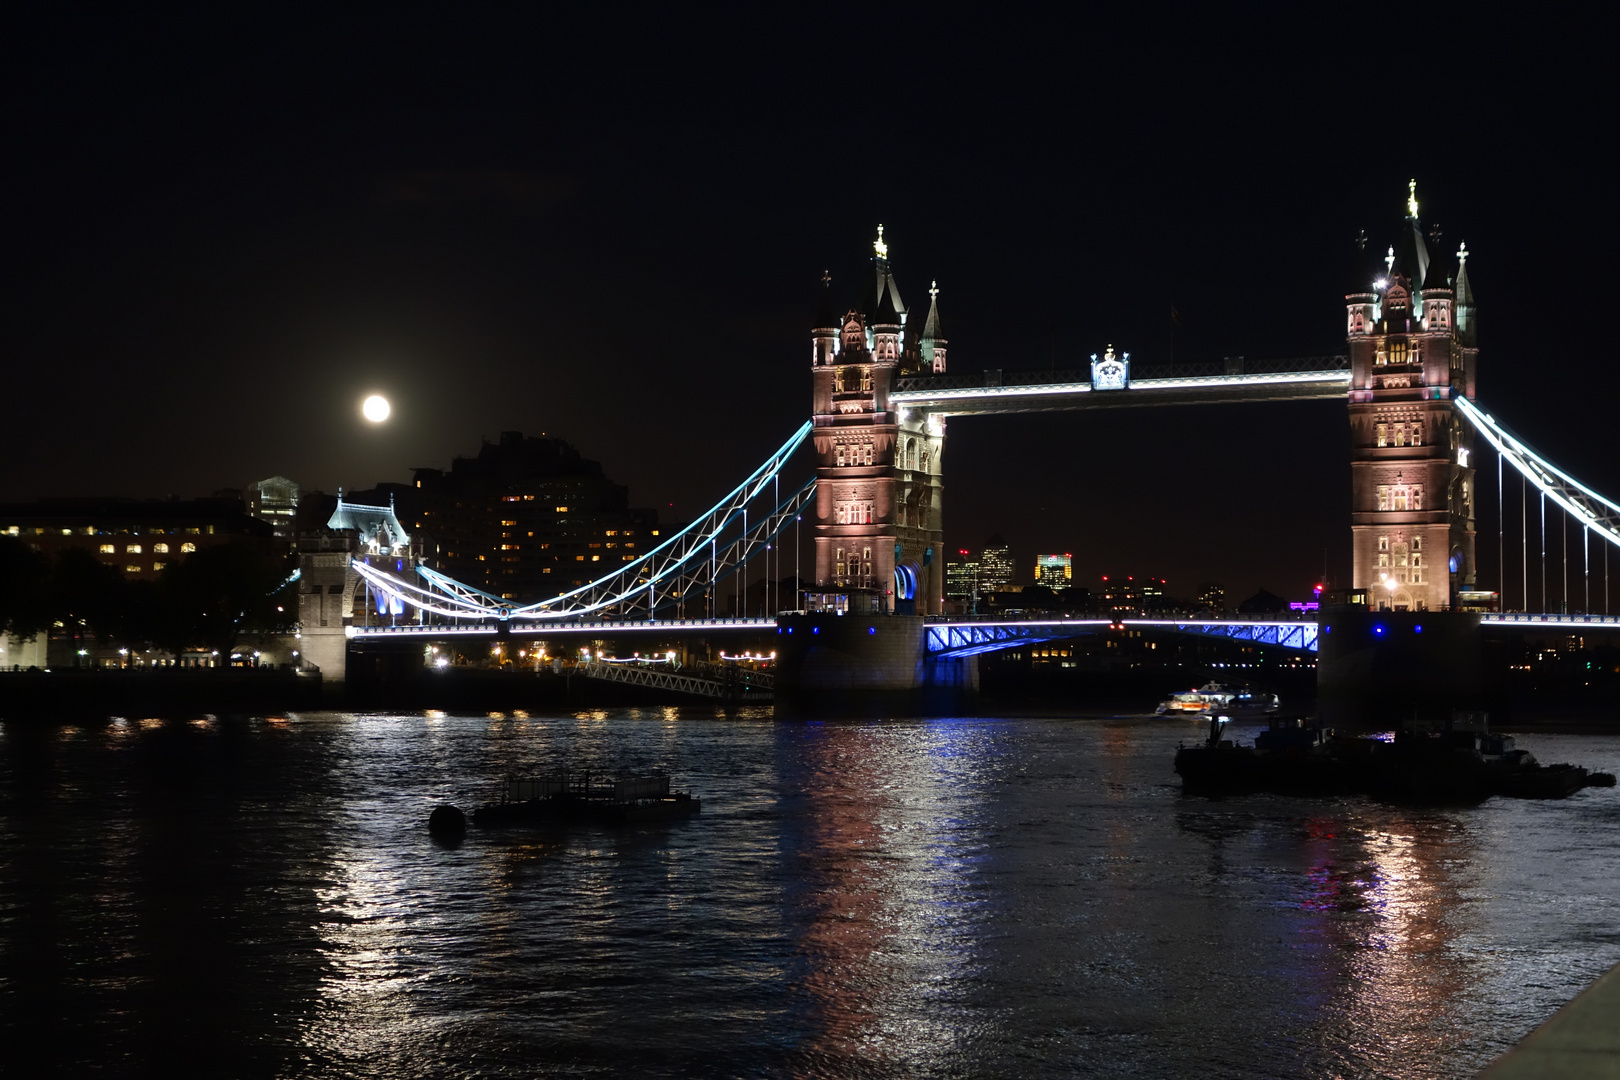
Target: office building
1054,571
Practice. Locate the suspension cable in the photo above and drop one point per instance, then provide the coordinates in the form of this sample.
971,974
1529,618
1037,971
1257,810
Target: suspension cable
1501,543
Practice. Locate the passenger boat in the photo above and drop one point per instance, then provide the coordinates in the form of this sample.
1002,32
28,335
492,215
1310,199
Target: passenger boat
1219,698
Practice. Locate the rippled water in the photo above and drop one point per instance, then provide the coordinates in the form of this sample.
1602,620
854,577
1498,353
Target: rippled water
969,897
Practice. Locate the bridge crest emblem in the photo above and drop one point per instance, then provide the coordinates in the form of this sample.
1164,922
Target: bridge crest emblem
1111,372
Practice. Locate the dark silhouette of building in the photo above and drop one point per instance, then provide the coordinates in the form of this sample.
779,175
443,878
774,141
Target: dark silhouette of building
524,519
137,537
1263,602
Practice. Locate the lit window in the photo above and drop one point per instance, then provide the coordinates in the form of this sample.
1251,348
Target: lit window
187,548
1383,558
596,545
509,498
1417,434
108,549
1383,496
1398,352
1383,543
596,558
579,558
611,544
560,509
1400,434
133,549
160,549
654,532
545,570
132,569
633,543
1417,543
1383,434
157,566
613,532
508,523
838,457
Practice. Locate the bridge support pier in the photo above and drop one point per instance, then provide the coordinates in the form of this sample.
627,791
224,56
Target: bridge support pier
866,665
1381,670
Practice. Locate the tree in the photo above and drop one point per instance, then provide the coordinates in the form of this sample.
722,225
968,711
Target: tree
220,593
24,589
85,594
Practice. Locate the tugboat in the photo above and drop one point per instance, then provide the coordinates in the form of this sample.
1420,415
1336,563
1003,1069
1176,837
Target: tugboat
1219,698
565,797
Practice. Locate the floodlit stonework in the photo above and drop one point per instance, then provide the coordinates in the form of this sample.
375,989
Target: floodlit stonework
1412,336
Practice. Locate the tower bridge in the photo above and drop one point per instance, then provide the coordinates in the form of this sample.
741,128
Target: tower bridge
870,520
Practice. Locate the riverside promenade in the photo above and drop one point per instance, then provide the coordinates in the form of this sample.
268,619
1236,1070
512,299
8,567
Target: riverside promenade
1581,1041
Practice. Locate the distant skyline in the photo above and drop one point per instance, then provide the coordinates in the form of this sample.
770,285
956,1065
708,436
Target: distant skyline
223,234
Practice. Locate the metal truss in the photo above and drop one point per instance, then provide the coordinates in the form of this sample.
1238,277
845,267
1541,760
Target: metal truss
706,551
636,675
946,640
953,639
1281,634
1588,507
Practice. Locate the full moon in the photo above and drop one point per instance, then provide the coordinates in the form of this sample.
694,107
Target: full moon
375,408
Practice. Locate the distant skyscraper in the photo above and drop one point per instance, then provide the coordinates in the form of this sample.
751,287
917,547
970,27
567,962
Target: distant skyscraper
1212,597
1054,571
962,581
997,567
275,502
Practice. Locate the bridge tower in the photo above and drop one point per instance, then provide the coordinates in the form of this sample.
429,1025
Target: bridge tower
1413,349
878,533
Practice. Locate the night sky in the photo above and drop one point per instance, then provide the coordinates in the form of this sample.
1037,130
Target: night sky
220,234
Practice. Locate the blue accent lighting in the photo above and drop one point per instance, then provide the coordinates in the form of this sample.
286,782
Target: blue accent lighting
871,629
815,629
1327,629
1378,629
1418,629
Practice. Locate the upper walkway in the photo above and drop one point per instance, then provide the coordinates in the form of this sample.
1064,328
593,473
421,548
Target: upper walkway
998,391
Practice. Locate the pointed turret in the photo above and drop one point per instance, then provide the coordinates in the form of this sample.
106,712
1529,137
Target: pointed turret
888,313
931,340
1411,253
1467,310
1361,297
824,335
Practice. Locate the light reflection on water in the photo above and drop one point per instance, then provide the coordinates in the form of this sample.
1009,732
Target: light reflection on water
946,898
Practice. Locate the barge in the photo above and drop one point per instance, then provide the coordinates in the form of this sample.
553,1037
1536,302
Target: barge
568,797
1297,756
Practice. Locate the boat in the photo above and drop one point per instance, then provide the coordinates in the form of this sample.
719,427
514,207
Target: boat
1297,756
1222,698
567,797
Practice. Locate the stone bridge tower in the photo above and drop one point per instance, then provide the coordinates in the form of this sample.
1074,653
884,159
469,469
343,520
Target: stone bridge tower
1413,349
878,532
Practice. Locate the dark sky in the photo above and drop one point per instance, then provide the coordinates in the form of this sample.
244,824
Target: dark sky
219,234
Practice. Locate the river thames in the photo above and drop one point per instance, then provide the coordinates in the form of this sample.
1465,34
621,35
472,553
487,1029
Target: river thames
955,898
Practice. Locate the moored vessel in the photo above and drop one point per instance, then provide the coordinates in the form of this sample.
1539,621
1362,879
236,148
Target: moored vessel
565,797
